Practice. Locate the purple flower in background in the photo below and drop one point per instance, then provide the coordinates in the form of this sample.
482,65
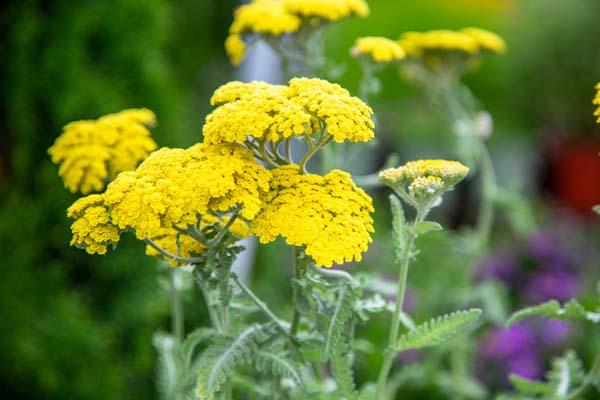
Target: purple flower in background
547,285
505,343
499,267
526,365
553,332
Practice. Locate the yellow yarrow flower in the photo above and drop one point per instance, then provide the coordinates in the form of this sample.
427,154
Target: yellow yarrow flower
330,10
173,186
276,112
346,117
486,40
417,43
235,48
328,214
92,229
449,172
268,17
378,49
93,152
596,101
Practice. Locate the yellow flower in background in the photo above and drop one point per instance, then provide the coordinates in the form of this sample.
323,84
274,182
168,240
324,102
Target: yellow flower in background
345,117
449,172
328,214
268,17
235,48
276,112
330,10
417,43
173,186
379,49
596,101
93,152
92,229
486,40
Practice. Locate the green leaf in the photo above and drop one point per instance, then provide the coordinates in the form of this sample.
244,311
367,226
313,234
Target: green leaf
552,309
342,313
437,331
427,226
398,225
527,386
221,358
341,368
275,364
567,373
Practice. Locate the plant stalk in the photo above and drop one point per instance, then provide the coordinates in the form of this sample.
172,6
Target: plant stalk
296,313
177,321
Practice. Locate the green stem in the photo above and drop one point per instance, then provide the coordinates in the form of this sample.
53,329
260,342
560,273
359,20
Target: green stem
177,321
590,378
389,354
485,218
296,313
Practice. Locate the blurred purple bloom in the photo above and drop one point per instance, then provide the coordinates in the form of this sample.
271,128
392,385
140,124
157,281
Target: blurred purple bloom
499,267
504,343
526,365
410,356
547,285
553,332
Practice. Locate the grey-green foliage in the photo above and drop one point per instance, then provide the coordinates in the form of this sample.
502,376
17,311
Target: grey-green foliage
338,323
565,376
398,224
437,330
178,364
553,310
341,368
221,358
275,362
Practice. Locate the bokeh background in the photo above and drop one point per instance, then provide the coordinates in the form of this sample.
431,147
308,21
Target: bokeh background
75,326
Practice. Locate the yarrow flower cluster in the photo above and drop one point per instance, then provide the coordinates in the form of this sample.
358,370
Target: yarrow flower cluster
274,18
256,113
328,214
422,181
378,49
169,191
471,41
93,152
596,101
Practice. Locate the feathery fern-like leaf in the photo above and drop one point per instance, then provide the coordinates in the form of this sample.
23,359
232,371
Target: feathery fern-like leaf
341,367
275,364
438,330
552,309
398,224
221,358
342,313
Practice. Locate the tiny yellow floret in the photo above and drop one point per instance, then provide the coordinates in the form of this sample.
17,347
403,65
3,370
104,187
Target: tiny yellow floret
93,152
596,101
328,214
379,49
235,48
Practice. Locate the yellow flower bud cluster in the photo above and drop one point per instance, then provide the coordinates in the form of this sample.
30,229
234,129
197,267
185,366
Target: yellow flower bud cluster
276,112
596,101
378,49
272,18
93,152
469,41
328,214
424,180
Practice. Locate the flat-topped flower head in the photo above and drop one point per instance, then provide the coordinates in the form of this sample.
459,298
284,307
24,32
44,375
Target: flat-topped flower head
92,152
378,49
328,10
259,17
418,44
261,116
172,190
596,101
422,181
329,215
92,229
486,40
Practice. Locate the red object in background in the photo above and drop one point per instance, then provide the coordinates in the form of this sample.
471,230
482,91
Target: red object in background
575,173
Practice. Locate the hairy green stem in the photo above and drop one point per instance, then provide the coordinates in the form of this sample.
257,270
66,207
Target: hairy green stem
177,321
389,354
296,313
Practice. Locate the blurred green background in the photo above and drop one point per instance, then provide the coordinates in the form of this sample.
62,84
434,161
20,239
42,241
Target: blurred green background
79,327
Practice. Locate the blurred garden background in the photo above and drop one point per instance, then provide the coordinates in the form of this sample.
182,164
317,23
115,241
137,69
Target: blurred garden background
80,327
